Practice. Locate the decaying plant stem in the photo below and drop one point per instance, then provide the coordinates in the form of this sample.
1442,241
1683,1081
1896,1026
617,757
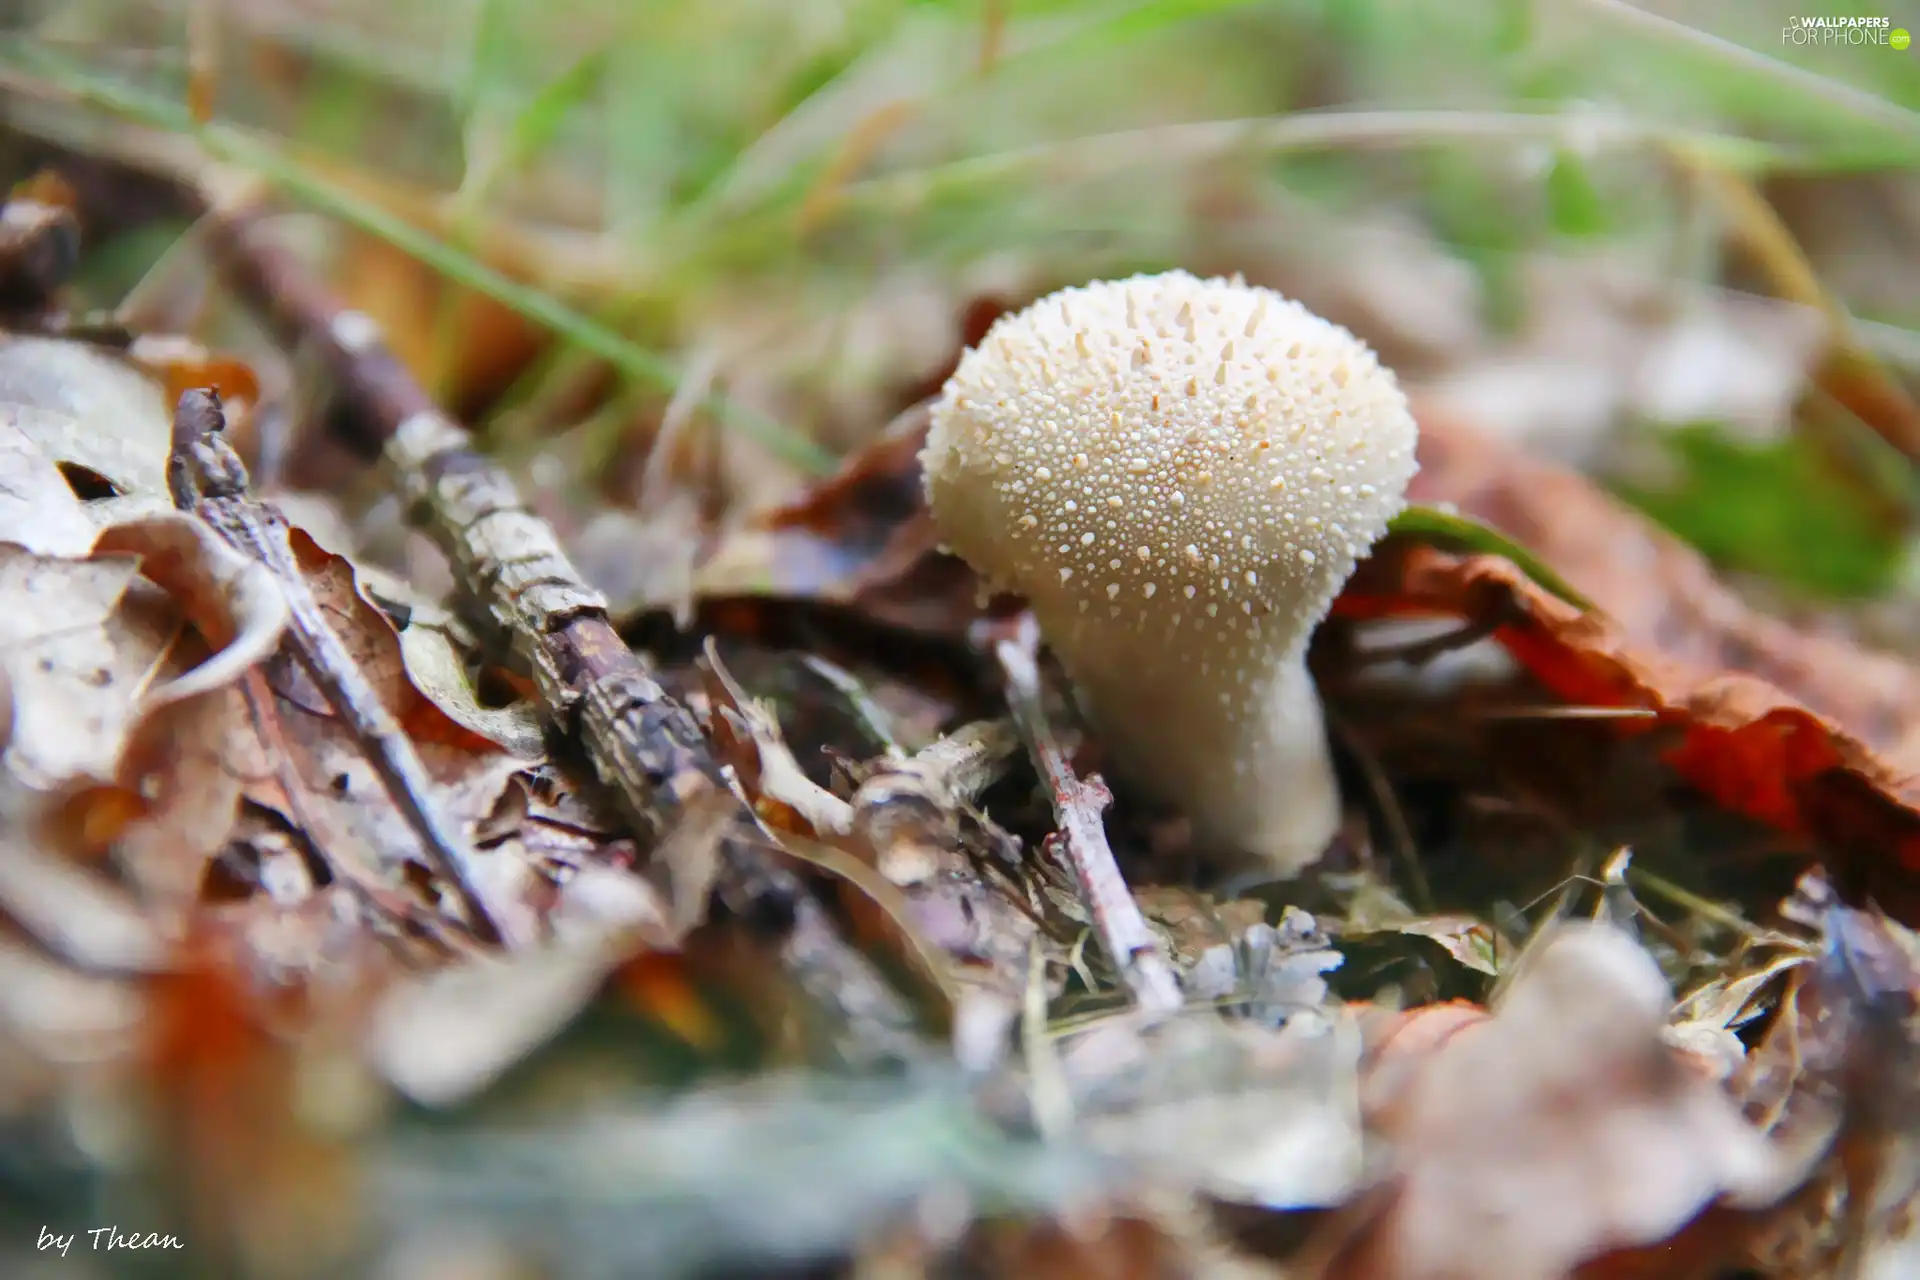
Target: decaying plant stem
918,799
1077,806
948,773
207,478
519,586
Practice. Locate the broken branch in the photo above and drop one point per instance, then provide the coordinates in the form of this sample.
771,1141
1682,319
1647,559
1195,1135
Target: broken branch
1082,837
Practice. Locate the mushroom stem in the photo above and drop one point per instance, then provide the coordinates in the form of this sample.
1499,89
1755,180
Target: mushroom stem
1250,768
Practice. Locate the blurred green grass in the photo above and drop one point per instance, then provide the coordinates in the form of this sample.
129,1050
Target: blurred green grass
675,165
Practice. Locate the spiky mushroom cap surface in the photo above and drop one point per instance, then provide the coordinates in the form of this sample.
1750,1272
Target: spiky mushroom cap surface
1179,474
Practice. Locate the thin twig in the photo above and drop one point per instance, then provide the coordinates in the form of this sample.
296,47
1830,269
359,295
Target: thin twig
207,478
1082,836
377,898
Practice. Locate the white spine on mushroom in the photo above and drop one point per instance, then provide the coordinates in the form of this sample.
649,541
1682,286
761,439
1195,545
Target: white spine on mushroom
1179,475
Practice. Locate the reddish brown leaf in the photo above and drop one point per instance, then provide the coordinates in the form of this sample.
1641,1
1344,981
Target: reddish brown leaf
375,645
660,986
1804,731
182,365
255,1183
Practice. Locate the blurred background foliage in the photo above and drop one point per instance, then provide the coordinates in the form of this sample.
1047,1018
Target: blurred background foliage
782,210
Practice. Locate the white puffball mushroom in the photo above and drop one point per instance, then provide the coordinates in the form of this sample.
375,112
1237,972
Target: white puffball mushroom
1179,475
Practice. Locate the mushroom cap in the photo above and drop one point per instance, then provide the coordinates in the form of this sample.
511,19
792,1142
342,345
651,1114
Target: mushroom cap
1139,452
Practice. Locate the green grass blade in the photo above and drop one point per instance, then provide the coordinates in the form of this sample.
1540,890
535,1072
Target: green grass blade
238,147
1452,531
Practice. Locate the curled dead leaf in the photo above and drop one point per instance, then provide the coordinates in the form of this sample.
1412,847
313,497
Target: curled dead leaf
438,670
1804,731
230,599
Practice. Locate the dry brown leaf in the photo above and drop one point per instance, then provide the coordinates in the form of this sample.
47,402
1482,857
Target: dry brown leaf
80,643
38,509
340,802
747,737
286,750
199,745
1557,1131
94,642
438,670
913,922
169,744
1661,597
1467,940
370,636
102,421
180,783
